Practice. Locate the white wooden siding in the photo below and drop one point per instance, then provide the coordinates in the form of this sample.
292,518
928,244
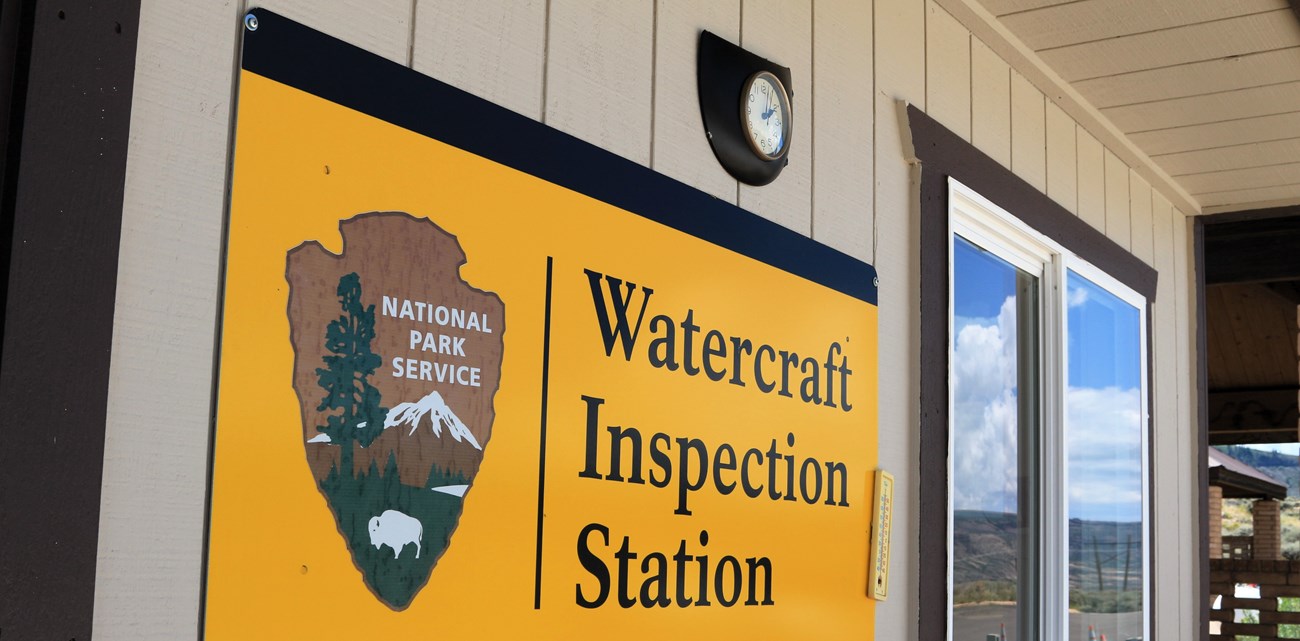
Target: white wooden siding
1206,108
1203,161
1220,134
1234,179
1062,159
1167,499
1117,214
1003,7
621,75
1140,221
1028,132
843,127
494,49
1092,179
153,501
1245,198
947,70
679,147
1208,76
899,60
990,103
1175,76
1078,22
378,26
598,73
1179,45
783,31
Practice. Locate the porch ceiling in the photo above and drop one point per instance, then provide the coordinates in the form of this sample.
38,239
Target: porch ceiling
1209,89
1252,291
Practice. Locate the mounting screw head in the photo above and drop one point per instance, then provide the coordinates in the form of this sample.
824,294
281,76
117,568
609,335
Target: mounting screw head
250,22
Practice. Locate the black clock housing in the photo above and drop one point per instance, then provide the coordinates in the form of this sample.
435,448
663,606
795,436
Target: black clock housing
722,70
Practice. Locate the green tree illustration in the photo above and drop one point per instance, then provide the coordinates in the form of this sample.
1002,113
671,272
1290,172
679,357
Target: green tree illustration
346,377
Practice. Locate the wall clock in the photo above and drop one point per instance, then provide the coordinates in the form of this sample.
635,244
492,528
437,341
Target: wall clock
747,105
765,115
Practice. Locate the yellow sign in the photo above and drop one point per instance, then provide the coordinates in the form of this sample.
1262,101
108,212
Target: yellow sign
460,396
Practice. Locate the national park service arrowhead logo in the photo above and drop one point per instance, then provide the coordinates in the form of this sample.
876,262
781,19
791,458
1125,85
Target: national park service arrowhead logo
396,364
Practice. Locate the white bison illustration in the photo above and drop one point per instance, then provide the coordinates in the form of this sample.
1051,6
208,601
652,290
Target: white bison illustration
394,529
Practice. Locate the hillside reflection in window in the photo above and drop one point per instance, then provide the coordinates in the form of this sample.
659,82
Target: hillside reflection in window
1104,454
994,448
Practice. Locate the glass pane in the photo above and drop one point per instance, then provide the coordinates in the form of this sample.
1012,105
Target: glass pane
1104,458
995,450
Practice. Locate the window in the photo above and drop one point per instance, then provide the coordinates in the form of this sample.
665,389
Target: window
1047,508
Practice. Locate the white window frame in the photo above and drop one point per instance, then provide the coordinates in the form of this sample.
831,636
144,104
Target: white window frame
992,228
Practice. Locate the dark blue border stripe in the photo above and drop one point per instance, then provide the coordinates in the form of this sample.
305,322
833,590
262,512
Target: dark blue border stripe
295,55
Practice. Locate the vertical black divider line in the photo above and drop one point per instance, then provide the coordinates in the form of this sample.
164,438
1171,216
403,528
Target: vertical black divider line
541,450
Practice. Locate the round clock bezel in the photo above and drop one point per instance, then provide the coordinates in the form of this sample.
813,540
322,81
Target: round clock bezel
787,122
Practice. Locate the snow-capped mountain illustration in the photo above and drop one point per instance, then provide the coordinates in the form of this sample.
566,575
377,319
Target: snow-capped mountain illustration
440,416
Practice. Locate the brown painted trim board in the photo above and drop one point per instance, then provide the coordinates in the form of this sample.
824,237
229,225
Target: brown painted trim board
942,154
67,154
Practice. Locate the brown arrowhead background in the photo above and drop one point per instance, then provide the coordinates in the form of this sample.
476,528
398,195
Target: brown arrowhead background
397,255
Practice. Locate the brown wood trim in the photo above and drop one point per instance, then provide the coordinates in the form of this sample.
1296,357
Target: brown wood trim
932,582
67,157
15,46
943,154
1202,430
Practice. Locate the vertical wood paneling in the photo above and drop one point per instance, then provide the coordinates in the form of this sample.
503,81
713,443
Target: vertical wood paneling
900,75
494,49
679,147
152,507
1091,168
598,73
1028,132
1140,222
782,32
990,103
382,27
1117,214
947,70
842,127
1166,498
1062,173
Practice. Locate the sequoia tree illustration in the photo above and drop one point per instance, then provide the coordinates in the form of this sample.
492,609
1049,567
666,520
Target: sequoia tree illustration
346,379
358,418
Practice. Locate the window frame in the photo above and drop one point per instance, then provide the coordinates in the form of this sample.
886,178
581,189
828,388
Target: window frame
935,153
992,228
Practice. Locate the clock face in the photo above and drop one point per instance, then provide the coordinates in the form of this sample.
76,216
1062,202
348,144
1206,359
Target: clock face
765,113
